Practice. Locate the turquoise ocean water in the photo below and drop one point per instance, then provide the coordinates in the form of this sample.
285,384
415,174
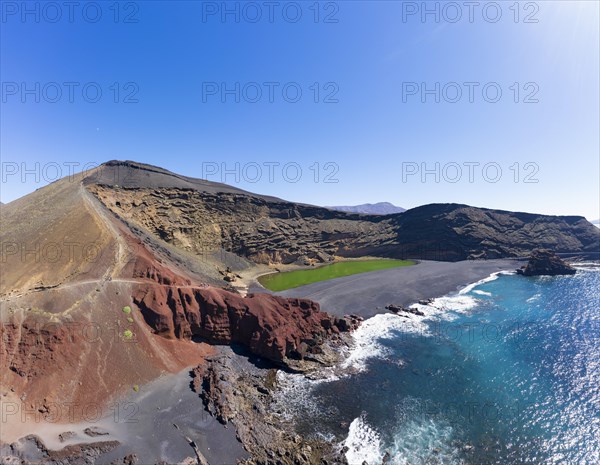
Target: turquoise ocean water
507,371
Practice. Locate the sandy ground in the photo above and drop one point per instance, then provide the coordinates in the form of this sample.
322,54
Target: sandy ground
367,294
144,424
145,421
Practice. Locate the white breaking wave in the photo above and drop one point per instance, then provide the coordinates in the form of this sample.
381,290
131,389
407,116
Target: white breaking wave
423,441
422,437
363,443
586,266
366,338
418,440
479,292
458,303
294,395
461,302
492,277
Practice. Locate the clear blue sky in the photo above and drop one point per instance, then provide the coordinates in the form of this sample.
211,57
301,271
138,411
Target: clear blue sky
375,132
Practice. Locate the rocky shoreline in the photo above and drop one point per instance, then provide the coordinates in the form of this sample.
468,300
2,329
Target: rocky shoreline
237,385
32,450
237,388
244,397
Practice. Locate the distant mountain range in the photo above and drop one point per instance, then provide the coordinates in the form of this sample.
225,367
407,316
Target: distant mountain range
380,208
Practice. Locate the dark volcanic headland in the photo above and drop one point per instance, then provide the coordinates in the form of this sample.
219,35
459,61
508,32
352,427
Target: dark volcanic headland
115,277
201,217
545,263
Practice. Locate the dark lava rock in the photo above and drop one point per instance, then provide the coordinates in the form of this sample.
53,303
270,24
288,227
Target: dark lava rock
400,309
31,450
130,459
62,437
545,263
95,431
241,394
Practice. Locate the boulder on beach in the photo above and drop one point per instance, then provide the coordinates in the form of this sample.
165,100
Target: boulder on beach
398,309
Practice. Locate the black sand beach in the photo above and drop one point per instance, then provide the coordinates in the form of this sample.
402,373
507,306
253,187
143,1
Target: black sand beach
367,294
169,400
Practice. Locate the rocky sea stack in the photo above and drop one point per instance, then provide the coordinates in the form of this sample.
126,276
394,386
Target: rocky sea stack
546,263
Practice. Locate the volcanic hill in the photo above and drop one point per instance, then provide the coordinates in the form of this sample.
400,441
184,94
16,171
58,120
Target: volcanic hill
115,276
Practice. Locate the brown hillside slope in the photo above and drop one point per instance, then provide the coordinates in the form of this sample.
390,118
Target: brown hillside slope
65,341
76,252
62,325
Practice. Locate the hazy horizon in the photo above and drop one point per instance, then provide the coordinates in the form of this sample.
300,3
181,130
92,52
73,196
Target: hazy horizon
76,178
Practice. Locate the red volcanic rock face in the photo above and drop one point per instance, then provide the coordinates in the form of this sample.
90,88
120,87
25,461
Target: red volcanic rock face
270,326
24,345
145,266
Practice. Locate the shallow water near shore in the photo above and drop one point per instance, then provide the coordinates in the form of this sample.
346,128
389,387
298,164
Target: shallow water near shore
505,371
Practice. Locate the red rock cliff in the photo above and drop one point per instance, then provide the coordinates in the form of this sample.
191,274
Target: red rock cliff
270,326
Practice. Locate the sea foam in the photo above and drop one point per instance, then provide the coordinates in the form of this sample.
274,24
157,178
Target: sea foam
418,440
366,339
363,443
492,277
422,441
294,396
480,292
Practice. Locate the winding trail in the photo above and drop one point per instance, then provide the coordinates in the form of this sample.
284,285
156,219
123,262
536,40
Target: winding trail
97,210
94,206
106,281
